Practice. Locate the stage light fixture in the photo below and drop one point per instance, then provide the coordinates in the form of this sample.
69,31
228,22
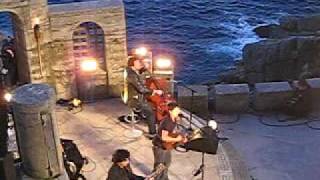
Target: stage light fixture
163,63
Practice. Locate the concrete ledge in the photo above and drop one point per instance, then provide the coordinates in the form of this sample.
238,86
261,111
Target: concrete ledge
231,97
271,95
238,167
199,103
315,92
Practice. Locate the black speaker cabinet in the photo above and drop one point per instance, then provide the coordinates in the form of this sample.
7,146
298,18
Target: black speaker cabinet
203,140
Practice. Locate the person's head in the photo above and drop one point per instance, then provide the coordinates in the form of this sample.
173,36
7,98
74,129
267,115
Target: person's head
121,157
135,62
174,111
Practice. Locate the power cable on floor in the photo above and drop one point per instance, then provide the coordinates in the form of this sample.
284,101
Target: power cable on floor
94,165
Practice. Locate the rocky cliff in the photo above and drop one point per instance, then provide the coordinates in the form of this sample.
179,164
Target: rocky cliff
290,50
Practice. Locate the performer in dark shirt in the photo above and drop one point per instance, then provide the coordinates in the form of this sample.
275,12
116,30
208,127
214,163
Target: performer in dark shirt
137,92
166,139
120,169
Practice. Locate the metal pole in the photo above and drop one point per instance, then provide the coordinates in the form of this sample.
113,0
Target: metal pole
202,165
191,110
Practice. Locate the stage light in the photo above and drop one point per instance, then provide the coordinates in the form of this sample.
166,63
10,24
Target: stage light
8,96
76,102
141,51
163,63
88,65
213,124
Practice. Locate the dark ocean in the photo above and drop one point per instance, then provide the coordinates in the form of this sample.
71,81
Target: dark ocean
205,37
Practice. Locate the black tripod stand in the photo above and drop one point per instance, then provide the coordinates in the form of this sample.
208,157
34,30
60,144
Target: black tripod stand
202,166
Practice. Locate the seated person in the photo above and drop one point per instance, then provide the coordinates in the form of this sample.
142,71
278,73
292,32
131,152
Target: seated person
120,169
137,92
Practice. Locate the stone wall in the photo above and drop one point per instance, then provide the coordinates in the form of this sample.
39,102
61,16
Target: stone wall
109,15
57,24
263,97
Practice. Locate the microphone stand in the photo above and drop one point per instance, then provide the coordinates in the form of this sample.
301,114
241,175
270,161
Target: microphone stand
191,103
202,166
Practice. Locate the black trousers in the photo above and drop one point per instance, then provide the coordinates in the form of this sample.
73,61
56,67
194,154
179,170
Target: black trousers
150,116
147,110
161,156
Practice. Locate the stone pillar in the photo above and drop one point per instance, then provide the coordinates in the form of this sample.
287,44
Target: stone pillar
231,98
198,104
37,132
271,95
315,92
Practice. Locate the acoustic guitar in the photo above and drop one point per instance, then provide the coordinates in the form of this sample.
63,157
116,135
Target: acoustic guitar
159,169
172,145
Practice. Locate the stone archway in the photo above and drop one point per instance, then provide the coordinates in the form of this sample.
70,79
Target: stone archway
89,43
20,59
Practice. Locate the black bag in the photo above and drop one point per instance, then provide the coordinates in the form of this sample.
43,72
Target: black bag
73,160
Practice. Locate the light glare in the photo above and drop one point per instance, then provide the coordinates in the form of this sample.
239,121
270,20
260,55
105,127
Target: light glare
142,51
213,124
8,97
89,65
36,21
163,63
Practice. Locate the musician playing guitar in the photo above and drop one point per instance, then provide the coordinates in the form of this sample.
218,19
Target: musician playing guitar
166,138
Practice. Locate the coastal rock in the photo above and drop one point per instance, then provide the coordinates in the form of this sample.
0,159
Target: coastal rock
233,76
271,31
291,51
289,23
281,59
300,23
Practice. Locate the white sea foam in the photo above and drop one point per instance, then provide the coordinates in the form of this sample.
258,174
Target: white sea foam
239,34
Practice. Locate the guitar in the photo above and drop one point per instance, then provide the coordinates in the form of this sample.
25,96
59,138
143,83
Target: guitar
159,169
172,145
182,131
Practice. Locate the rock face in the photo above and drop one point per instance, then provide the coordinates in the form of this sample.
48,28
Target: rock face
278,60
290,52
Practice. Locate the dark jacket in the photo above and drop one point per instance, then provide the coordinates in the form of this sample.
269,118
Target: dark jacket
3,102
117,173
137,91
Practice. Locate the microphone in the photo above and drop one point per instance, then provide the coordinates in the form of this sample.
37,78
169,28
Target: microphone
198,170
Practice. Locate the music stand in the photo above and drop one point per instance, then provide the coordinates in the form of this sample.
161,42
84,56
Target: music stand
202,166
206,132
